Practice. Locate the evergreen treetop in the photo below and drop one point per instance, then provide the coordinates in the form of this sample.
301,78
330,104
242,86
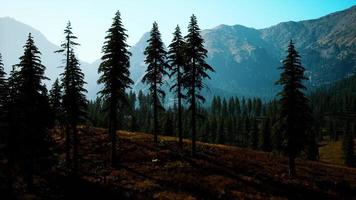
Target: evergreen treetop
115,62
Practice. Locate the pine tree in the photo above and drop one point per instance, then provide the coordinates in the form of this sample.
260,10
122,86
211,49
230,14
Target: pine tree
133,125
4,122
144,111
249,107
69,44
295,114
230,130
237,107
156,70
224,111
32,101
258,107
221,137
168,124
13,153
115,75
254,135
311,149
177,64
246,131
196,71
74,104
231,107
55,99
265,142
3,102
66,48
213,130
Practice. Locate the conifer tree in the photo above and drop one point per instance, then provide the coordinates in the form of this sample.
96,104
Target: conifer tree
69,44
156,70
4,122
67,47
254,135
231,107
3,102
265,142
221,139
196,71
177,64
74,104
295,113
246,131
224,111
168,124
12,120
55,100
32,101
311,149
237,107
213,130
133,125
115,75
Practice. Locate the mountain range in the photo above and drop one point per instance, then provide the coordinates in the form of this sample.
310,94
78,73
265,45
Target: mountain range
246,60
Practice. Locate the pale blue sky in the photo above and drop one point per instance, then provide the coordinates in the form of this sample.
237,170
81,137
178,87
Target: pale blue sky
91,18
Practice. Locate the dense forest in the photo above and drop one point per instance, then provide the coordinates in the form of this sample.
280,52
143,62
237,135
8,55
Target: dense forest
244,122
293,124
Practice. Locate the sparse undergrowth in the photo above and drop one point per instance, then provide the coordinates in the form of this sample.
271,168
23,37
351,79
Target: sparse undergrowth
217,172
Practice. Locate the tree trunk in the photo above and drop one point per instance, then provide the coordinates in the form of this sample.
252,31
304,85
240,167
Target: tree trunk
75,149
193,112
291,164
112,130
155,115
67,146
29,171
10,166
180,131
193,126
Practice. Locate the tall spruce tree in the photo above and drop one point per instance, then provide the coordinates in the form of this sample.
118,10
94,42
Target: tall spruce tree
253,135
156,70
68,44
31,140
295,113
67,47
265,137
196,71
13,153
74,104
177,64
55,100
115,75
3,102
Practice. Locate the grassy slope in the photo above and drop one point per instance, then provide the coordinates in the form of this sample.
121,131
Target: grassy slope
331,152
218,172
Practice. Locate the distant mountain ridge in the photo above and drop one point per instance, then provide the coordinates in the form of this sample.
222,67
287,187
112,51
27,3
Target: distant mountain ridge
245,59
13,35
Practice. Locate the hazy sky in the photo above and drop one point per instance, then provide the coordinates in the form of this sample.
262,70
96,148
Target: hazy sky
91,18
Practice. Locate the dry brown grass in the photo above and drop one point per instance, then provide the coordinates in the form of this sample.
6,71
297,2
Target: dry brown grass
331,152
147,171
